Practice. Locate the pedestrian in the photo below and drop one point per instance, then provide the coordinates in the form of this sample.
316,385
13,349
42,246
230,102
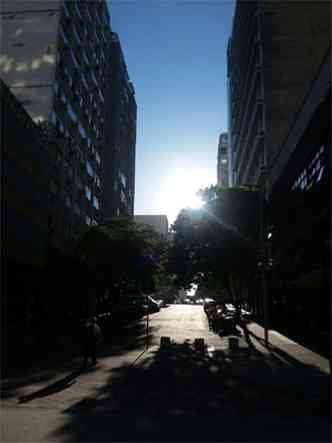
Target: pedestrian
92,336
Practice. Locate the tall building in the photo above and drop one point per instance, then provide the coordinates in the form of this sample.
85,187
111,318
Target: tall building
229,150
157,222
274,53
279,66
222,165
118,181
25,190
56,58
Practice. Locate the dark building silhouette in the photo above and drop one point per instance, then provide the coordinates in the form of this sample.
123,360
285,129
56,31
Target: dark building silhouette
62,76
222,161
26,196
279,63
274,53
58,59
118,180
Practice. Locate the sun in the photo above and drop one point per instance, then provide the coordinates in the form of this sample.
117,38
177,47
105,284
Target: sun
179,191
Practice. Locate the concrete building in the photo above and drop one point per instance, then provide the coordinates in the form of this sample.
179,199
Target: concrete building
158,222
279,63
25,200
118,180
57,59
274,53
26,191
222,165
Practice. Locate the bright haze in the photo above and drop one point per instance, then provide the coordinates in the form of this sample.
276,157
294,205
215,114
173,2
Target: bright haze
176,58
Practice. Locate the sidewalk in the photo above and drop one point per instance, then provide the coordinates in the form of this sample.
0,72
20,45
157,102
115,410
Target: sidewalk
297,351
179,393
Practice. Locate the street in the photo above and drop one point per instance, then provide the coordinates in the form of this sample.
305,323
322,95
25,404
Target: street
175,392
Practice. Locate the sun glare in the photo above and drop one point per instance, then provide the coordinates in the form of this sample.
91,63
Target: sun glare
180,191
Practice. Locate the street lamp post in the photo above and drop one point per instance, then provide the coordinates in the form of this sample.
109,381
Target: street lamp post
264,263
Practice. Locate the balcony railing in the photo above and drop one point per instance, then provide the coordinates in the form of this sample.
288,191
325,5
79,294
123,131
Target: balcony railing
74,59
78,38
77,8
65,9
63,35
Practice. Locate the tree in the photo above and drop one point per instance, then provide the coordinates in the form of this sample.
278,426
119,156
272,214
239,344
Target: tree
218,244
124,255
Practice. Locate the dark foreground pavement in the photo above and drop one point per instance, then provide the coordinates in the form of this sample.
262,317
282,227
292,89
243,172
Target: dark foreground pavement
177,392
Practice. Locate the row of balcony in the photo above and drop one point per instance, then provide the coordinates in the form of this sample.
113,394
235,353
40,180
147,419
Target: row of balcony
251,118
242,65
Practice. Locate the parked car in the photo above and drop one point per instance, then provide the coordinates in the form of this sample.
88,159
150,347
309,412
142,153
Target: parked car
208,304
161,303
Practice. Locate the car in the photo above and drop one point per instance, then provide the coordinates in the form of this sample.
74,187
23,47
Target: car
208,304
161,303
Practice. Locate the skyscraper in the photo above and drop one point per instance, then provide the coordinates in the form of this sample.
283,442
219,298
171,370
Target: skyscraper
120,138
56,59
274,53
222,166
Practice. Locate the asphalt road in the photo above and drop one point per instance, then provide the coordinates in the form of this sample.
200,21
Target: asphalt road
169,393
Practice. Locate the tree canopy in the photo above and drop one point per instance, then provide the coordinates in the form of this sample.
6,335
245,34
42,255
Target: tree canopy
123,253
217,245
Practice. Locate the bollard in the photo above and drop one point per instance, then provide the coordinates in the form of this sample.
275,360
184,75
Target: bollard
165,342
233,343
199,345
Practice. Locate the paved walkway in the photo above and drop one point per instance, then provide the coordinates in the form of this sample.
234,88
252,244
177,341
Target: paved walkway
177,392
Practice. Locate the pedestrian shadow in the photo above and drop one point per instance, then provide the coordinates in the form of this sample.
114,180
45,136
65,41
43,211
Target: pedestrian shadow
53,388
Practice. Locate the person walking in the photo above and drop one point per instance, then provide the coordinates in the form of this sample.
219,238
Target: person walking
92,336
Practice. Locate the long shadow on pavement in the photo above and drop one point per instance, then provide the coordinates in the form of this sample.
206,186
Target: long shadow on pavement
53,388
179,394
117,342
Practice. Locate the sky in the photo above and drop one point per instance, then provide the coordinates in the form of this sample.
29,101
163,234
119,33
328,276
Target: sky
175,53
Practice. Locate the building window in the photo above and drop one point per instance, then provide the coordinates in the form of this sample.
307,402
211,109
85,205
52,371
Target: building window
81,130
89,169
122,178
64,36
95,202
123,197
71,113
88,192
68,201
79,183
65,8
73,57
53,118
94,79
85,83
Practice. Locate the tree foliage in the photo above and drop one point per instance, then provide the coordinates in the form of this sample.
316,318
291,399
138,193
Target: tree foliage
218,244
124,254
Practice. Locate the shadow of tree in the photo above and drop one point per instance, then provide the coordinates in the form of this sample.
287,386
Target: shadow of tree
178,393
